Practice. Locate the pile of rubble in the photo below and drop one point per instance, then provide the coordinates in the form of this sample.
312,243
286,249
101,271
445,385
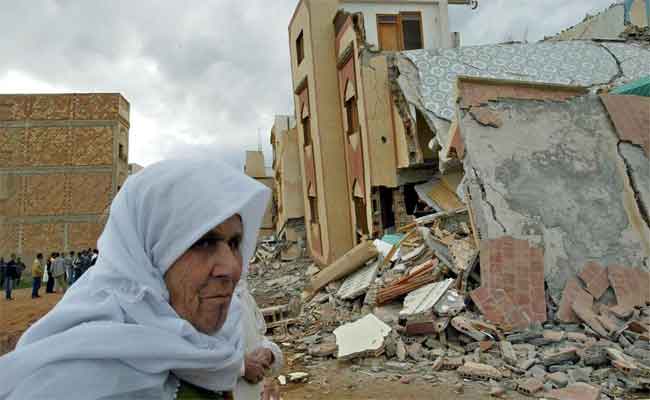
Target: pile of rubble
432,302
634,32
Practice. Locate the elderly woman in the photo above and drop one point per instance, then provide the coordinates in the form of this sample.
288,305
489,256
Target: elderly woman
157,314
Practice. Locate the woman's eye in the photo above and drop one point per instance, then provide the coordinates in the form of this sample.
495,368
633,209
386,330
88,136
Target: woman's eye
205,243
234,244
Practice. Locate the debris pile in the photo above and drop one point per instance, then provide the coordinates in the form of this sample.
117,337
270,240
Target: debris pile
433,304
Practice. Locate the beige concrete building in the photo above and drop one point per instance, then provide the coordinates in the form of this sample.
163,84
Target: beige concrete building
318,116
62,159
348,114
290,217
254,167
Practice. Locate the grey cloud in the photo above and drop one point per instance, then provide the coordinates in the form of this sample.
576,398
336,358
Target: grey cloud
211,72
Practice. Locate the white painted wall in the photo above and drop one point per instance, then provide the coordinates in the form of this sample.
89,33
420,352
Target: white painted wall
435,18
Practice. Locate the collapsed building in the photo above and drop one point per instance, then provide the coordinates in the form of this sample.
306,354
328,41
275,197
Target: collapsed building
507,191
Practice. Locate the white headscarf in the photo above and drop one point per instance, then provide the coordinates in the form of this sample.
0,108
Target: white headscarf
114,333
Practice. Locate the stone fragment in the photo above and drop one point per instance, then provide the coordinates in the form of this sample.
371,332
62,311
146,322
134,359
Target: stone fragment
282,379
451,363
530,386
595,278
414,350
537,372
560,356
400,350
524,337
588,316
508,352
322,350
559,379
298,376
578,391
497,391
478,371
405,380
465,326
437,364
573,293
580,375
553,336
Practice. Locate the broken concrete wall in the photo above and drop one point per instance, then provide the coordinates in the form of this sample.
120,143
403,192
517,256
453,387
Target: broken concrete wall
426,79
552,174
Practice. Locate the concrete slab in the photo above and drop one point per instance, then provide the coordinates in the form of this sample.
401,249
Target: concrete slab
364,336
423,299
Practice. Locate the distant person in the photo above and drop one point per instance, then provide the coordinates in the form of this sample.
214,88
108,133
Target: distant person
3,265
158,316
67,260
58,271
93,257
49,285
20,266
11,273
37,275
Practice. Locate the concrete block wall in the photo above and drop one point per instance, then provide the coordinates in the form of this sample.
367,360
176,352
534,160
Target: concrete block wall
59,169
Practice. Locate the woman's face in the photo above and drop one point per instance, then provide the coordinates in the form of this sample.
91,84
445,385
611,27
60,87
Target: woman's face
202,281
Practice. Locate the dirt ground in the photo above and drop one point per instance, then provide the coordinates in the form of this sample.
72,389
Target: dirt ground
329,380
17,315
333,380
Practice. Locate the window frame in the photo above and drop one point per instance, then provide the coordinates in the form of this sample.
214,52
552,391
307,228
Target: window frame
300,47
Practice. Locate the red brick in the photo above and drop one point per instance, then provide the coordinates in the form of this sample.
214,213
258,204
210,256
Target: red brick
516,268
573,292
595,279
627,285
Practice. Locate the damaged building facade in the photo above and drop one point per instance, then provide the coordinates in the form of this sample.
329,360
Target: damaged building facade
255,168
346,116
63,157
290,210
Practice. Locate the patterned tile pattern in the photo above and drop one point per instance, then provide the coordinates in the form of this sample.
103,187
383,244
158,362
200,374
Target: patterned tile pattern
578,62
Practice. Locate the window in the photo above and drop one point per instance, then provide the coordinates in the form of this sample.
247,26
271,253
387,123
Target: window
411,31
352,115
400,31
300,48
306,130
313,209
121,153
388,32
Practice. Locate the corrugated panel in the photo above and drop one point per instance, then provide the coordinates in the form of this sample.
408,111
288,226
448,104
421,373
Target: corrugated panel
631,117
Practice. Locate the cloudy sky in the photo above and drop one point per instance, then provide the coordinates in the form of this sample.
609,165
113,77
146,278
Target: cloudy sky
213,73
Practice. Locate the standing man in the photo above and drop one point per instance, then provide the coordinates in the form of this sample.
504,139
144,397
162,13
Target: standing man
68,267
49,287
20,266
11,273
37,275
58,271
2,272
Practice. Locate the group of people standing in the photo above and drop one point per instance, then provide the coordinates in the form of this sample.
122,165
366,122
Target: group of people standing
58,271
10,274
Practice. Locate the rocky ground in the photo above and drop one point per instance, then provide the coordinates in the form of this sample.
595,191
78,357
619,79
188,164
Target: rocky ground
541,361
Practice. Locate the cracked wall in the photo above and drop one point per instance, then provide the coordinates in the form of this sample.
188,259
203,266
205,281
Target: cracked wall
552,174
427,78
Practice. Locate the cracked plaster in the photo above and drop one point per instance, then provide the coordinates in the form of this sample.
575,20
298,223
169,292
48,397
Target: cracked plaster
552,174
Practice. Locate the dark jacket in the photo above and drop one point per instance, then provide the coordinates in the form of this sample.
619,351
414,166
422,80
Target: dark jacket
11,270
